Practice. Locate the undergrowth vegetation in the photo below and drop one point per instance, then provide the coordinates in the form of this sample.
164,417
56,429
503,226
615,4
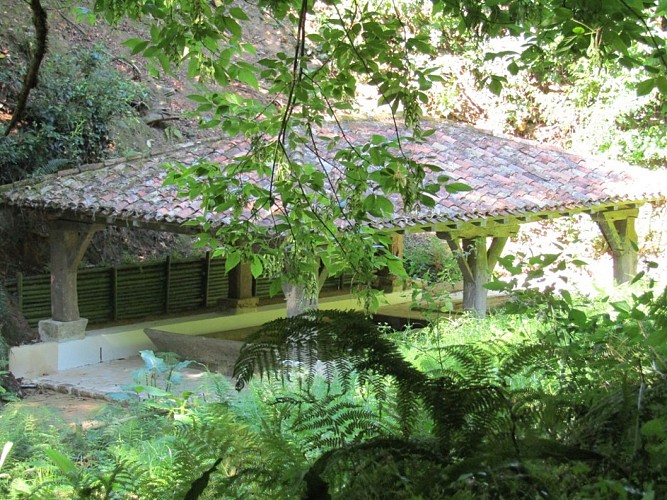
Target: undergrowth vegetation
559,396
69,115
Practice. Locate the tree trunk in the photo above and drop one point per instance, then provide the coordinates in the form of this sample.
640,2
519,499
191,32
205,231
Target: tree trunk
299,298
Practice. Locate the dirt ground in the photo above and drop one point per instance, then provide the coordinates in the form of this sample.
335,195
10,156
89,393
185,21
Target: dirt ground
72,409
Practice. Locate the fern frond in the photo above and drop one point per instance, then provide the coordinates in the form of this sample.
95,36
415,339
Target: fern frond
374,468
471,361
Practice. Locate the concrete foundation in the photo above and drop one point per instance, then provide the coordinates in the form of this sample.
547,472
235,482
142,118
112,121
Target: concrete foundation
241,305
125,341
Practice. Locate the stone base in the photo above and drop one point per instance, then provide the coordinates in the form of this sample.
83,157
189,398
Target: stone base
51,330
389,284
239,304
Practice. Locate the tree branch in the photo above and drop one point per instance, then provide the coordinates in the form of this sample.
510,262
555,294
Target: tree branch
30,80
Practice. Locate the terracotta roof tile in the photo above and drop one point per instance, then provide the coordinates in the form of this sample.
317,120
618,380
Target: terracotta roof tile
507,177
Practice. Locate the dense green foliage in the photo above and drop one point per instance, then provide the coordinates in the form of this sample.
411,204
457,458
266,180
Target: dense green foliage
427,257
567,400
559,396
69,115
319,215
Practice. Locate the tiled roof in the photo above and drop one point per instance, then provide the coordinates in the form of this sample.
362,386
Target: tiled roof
509,178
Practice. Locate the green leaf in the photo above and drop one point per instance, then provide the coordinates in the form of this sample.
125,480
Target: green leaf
377,139
238,13
256,267
637,277
657,338
549,258
248,77
456,187
152,362
198,98
395,267
621,306
153,391
276,287
497,285
615,41
249,48
136,45
577,317
655,427
62,462
496,86
566,295
661,83
646,87
233,260
378,205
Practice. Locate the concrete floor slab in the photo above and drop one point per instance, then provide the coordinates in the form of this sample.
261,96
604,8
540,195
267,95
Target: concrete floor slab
103,380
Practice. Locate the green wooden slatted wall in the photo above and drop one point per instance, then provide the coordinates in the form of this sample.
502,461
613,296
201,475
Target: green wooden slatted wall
136,291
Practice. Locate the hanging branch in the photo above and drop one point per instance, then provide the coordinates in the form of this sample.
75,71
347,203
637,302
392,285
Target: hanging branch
30,80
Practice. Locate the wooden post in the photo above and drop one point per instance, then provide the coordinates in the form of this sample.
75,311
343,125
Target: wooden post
69,242
618,229
242,289
476,264
241,282
114,292
496,248
19,290
387,281
474,293
167,283
206,277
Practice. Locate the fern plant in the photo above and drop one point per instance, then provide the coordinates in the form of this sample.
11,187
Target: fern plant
509,416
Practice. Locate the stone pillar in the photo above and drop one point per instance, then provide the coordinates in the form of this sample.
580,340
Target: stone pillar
68,242
618,229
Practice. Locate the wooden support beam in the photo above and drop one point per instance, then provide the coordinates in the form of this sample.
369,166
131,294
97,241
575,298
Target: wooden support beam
496,248
69,242
207,279
618,229
459,254
491,228
397,245
242,289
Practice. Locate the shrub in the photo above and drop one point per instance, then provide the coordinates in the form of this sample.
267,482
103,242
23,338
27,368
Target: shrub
68,115
427,257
